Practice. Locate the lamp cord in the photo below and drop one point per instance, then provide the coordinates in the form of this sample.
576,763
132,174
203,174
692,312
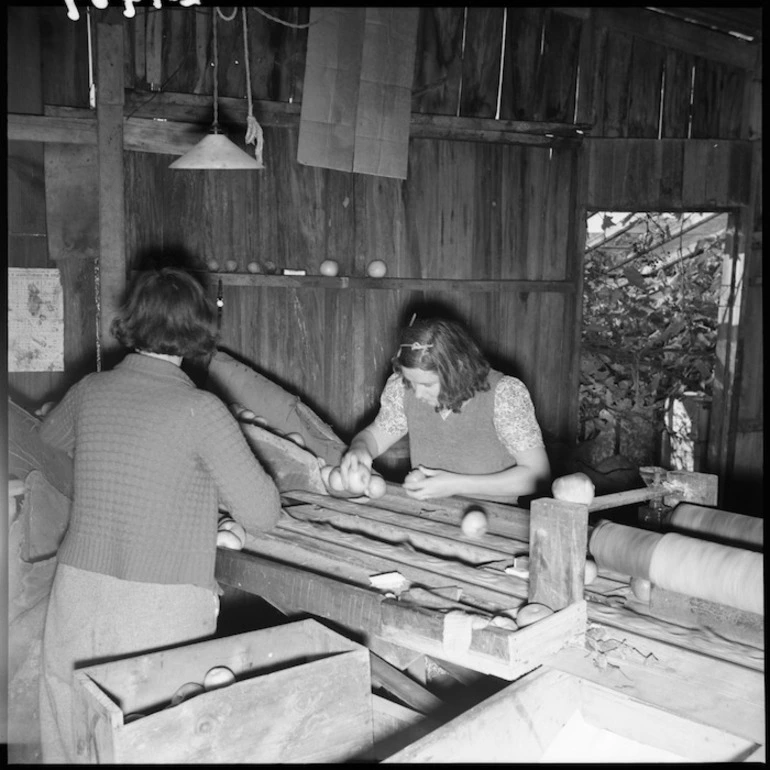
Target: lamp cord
253,129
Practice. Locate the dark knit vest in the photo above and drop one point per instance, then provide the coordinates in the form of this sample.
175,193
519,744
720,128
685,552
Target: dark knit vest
463,443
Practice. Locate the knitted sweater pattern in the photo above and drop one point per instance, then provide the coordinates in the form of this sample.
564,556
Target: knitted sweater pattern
153,457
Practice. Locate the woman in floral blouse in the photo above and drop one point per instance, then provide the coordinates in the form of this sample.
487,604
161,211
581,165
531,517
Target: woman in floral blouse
472,430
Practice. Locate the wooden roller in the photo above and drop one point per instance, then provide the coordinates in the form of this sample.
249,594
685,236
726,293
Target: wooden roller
730,528
627,550
712,571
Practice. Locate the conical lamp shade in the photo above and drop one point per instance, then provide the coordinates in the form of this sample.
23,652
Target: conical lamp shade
216,151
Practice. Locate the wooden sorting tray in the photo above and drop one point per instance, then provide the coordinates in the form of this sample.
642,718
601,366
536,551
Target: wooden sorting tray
552,716
302,694
488,649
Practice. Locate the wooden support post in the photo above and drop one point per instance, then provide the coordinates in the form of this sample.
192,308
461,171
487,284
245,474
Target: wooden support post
558,540
403,687
109,118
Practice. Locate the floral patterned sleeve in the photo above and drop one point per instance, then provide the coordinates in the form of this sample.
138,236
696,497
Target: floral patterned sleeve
392,418
514,416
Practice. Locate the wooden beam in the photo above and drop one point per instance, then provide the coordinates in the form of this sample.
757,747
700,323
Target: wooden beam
403,687
37,128
558,543
672,33
109,117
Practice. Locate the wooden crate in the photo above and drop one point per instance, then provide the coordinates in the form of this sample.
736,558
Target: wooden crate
488,649
552,716
302,694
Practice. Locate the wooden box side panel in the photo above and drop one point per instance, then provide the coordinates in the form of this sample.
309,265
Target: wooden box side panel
491,649
317,712
145,682
96,719
514,725
609,709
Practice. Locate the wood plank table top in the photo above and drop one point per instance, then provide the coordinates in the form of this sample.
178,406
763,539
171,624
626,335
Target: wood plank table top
320,557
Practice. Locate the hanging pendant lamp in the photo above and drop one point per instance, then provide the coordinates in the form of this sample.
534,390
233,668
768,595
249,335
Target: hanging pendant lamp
216,151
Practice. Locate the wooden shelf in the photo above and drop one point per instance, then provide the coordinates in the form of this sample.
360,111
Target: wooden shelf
391,284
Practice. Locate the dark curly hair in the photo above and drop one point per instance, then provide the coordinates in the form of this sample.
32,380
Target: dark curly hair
446,347
167,311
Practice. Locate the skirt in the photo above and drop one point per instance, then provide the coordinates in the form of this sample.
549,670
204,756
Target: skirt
94,618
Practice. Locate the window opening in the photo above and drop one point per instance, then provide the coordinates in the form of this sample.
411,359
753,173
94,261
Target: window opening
653,305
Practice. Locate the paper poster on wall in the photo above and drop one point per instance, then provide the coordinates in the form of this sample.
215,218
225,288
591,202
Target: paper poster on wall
35,320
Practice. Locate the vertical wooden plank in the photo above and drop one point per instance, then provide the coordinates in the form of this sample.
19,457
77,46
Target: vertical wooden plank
676,102
559,65
557,552
510,205
154,51
145,218
79,292
23,60
185,210
534,185
109,116
519,98
644,98
204,55
288,45
72,211
300,190
421,194
483,225
612,97
573,304
381,220
232,67
178,49
718,98
438,61
481,62
344,392
138,29
639,180
225,234
671,168
585,110
65,56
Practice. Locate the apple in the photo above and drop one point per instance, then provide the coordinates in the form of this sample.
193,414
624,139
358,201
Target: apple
377,268
230,540
358,480
219,676
414,475
186,691
296,438
335,479
531,613
474,523
329,267
574,488
231,525
377,486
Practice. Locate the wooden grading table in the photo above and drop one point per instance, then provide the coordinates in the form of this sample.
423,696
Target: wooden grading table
320,558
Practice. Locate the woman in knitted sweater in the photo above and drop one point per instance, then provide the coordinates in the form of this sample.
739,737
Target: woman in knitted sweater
472,430
154,458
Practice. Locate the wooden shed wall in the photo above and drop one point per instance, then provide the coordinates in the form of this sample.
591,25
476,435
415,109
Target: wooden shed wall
655,94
